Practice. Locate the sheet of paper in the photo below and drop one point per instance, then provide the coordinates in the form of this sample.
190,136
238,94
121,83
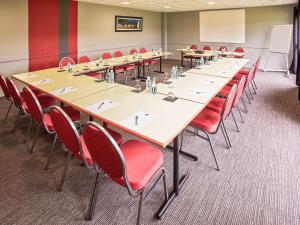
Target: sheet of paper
63,91
41,82
197,92
28,76
101,106
211,81
138,120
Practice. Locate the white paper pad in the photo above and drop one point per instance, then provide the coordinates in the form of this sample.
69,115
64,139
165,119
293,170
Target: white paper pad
197,92
41,82
233,67
211,81
223,73
28,76
63,91
143,120
101,106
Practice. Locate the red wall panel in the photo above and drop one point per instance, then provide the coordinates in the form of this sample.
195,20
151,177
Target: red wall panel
73,29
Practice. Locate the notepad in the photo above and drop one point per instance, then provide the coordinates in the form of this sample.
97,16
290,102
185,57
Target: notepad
197,92
28,76
101,106
211,81
138,120
41,82
63,91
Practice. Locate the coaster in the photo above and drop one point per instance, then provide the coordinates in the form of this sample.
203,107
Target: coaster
136,91
99,80
61,70
167,82
182,75
77,74
86,68
169,99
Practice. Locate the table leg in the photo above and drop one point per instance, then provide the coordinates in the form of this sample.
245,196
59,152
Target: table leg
177,183
181,59
160,66
191,62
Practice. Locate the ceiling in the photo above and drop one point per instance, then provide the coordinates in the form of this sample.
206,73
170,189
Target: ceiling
189,5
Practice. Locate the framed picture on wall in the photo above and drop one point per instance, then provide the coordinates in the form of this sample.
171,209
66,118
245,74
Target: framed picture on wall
128,24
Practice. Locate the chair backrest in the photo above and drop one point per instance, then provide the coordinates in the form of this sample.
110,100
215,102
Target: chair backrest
194,47
240,89
14,93
84,59
257,63
4,87
105,151
118,53
133,51
229,102
206,48
65,61
223,48
106,55
250,75
239,50
66,131
33,106
143,50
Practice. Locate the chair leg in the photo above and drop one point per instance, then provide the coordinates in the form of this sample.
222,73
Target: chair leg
4,120
212,150
64,172
253,88
222,123
138,221
92,200
239,110
28,130
236,125
254,84
35,139
248,98
227,145
17,121
250,93
125,77
50,152
244,104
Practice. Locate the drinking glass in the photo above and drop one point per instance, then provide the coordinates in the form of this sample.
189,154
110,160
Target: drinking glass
166,77
180,71
138,86
171,94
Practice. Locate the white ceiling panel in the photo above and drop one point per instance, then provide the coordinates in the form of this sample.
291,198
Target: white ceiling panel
188,5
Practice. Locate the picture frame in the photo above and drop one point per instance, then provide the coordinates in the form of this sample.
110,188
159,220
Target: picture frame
128,24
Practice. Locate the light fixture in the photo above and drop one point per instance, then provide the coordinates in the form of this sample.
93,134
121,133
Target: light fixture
211,3
167,6
125,3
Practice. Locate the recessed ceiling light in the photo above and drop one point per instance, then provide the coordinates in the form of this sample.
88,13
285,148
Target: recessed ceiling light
125,3
211,3
167,6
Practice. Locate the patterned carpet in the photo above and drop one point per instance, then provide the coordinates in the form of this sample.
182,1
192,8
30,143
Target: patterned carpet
259,181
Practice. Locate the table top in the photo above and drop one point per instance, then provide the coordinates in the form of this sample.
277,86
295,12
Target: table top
194,87
165,120
208,53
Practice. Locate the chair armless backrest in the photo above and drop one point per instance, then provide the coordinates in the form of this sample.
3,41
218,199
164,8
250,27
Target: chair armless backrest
194,47
240,89
66,131
257,63
229,102
105,152
106,55
14,93
84,59
207,48
250,75
118,54
4,87
33,106
133,51
143,50
223,48
239,50
65,61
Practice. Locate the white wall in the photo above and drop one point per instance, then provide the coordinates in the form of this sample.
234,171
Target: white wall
183,29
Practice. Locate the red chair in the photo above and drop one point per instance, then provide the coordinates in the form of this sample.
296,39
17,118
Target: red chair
189,57
132,165
246,72
86,59
72,141
6,95
208,121
207,48
239,50
127,68
66,61
133,51
223,49
17,99
194,47
33,107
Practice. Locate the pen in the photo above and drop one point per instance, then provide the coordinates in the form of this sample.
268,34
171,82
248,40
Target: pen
100,105
136,120
62,91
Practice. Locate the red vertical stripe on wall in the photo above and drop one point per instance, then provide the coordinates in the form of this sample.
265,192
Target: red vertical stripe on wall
43,34
73,30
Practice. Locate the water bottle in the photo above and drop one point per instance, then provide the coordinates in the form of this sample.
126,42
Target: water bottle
153,86
112,77
148,84
176,72
97,62
69,67
202,61
173,72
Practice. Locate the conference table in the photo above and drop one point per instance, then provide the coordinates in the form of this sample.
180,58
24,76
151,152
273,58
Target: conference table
195,53
120,105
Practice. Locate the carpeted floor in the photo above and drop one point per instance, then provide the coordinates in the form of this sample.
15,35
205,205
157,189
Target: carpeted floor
258,183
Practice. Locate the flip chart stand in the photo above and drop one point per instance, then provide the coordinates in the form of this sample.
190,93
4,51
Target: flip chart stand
287,71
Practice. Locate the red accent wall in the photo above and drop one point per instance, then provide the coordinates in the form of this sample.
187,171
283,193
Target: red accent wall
73,29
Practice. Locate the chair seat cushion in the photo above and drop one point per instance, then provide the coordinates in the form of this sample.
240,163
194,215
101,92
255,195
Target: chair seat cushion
130,67
244,71
154,61
207,120
142,163
72,113
44,100
120,69
225,91
216,104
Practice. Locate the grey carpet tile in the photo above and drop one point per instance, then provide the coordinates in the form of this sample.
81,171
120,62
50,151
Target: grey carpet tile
259,181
